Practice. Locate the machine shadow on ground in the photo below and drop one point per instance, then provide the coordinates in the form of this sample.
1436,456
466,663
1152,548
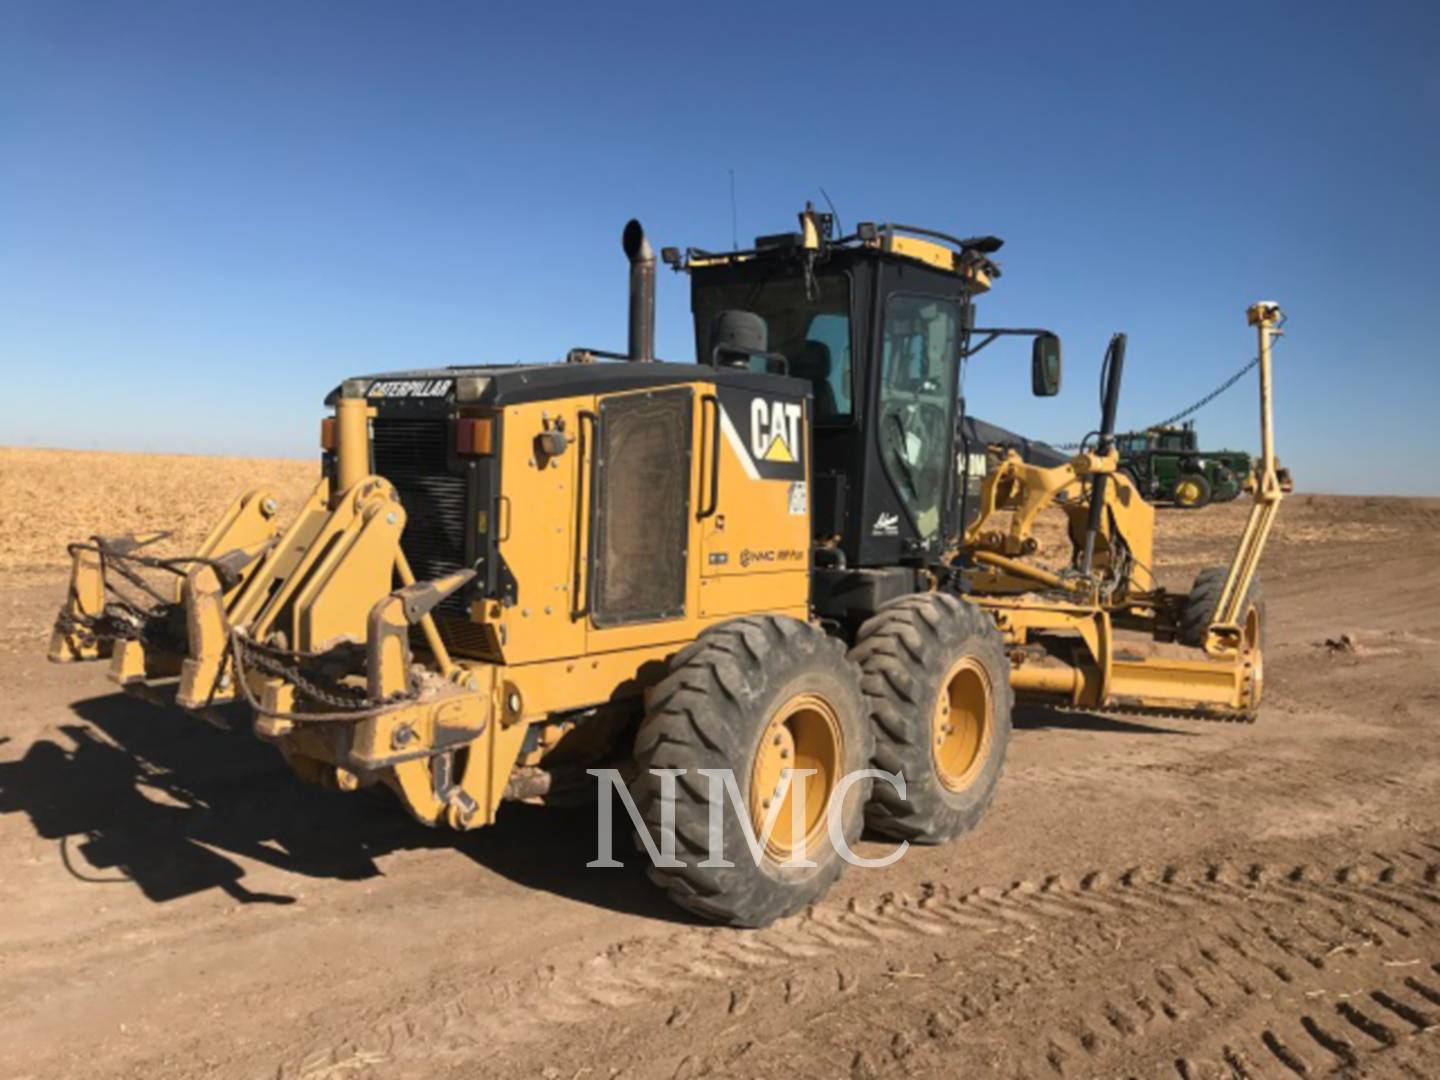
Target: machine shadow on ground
136,794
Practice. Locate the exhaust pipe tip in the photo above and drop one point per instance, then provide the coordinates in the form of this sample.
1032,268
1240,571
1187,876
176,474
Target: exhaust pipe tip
636,244
642,291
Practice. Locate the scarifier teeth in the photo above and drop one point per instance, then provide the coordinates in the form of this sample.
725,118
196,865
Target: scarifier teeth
1159,713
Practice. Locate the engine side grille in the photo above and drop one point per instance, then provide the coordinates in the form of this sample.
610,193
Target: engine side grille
642,513
411,454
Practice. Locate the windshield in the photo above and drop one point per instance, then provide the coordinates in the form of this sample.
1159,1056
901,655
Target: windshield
811,332
917,391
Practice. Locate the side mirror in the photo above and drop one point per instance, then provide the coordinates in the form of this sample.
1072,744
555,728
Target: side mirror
1045,366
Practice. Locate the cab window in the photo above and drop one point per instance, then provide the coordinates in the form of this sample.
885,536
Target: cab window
811,329
825,361
917,390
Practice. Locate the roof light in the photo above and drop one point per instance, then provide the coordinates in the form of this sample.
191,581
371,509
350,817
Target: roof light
471,387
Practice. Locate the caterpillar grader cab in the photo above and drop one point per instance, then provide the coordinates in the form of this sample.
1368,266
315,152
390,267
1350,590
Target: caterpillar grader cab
744,585
881,325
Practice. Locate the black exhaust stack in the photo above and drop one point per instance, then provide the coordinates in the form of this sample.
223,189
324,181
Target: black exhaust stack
642,291
1111,372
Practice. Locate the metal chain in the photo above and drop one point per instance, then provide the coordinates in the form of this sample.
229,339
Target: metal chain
1226,385
119,620
122,618
1183,413
349,703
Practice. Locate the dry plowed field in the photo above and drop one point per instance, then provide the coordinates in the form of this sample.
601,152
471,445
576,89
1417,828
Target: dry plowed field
1147,897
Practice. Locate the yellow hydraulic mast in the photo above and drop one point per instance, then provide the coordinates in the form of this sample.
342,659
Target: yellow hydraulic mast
1225,633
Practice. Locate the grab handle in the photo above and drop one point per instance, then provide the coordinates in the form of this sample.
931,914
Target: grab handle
580,602
708,509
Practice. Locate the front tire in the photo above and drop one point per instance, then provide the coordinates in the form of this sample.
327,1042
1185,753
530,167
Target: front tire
1204,601
755,696
937,681
1201,607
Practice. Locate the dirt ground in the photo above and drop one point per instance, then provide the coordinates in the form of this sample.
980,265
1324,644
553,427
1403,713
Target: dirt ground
1147,897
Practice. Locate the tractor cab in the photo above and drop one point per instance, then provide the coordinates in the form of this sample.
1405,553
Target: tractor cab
1178,440
880,323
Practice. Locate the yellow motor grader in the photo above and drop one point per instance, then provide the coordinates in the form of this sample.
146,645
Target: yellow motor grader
757,564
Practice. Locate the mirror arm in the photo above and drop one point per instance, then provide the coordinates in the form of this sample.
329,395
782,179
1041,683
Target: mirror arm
990,336
993,332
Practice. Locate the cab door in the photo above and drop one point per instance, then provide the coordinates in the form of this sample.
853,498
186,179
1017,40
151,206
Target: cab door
755,517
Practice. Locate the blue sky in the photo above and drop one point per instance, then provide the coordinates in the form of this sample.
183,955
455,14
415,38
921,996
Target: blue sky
209,214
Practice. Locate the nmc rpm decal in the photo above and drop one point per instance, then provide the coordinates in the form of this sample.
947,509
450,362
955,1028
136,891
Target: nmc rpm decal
766,432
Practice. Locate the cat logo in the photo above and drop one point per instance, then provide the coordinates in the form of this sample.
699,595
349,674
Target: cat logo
766,432
774,429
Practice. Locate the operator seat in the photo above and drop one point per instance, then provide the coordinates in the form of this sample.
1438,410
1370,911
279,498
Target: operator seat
738,338
814,363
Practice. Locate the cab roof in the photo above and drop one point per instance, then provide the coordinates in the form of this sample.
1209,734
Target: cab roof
966,259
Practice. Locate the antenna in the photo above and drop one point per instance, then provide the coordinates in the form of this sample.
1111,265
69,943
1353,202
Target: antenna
734,227
839,229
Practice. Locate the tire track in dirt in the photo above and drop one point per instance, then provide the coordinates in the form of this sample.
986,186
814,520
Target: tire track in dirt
1204,969
1287,979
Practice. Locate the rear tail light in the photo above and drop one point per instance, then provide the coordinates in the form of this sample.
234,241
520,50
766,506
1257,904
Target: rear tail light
473,437
327,433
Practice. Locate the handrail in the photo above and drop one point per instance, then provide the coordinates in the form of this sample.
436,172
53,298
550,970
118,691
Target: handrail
708,509
579,598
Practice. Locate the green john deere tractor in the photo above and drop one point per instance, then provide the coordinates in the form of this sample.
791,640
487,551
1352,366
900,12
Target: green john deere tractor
1166,465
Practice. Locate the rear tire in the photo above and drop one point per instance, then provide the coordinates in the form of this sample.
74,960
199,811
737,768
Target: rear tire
1192,491
751,695
937,681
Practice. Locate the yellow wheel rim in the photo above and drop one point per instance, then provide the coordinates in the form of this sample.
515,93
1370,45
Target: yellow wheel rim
804,733
1187,493
963,724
